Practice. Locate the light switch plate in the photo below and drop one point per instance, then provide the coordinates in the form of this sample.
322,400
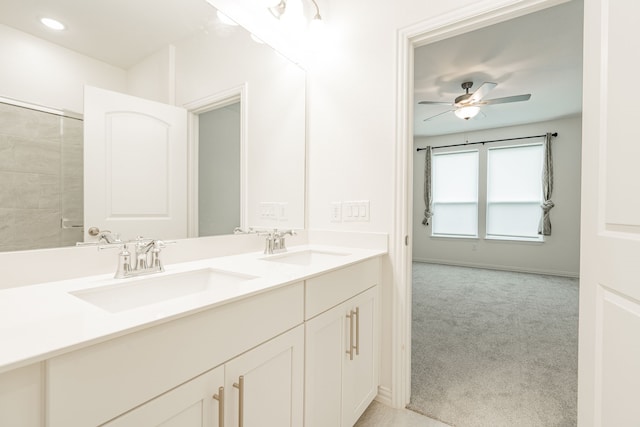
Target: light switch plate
357,210
336,211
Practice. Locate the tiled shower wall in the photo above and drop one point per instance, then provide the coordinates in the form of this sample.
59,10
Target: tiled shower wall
41,164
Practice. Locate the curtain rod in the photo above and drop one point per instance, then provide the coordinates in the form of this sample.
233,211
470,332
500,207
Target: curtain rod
485,142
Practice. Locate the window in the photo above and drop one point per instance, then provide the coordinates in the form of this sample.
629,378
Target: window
455,194
514,192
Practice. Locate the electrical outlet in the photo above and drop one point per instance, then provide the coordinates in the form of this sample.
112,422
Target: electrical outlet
268,210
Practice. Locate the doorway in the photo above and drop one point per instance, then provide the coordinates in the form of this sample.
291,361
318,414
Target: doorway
219,170
218,163
417,36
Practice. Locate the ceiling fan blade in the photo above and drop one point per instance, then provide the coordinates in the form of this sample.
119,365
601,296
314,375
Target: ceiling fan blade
439,114
481,92
516,98
435,103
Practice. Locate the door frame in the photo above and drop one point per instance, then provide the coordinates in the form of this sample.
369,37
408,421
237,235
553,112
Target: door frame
194,109
462,20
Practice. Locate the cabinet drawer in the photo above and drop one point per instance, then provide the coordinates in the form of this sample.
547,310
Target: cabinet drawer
98,383
329,290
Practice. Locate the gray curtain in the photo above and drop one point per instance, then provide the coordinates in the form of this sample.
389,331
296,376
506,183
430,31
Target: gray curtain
544,228
427,186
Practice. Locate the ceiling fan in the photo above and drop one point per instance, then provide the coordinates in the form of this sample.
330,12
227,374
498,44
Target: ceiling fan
467,105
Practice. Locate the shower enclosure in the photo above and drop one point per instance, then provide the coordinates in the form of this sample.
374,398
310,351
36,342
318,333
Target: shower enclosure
41,177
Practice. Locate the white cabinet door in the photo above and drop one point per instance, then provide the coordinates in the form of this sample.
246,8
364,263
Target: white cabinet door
189,405
341,370
360,374
324,352
21,397
265,385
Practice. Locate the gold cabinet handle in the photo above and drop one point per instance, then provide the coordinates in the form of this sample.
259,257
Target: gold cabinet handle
240,386
220,398
357,331
350,316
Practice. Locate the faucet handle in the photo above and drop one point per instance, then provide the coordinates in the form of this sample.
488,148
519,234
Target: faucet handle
160,244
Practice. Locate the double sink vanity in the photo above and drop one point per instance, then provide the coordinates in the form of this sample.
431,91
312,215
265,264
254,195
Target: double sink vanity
288,339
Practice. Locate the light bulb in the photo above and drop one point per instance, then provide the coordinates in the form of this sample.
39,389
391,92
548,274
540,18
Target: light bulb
316,25
294,16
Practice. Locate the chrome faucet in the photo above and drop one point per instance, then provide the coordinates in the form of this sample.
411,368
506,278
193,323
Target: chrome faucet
146,257
275,242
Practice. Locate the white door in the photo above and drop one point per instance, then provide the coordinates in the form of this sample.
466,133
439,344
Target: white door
265,385
135,166
609,365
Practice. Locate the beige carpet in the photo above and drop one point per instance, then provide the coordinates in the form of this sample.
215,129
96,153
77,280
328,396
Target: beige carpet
494,349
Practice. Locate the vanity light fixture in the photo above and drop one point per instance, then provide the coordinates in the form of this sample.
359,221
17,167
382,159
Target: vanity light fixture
468,112
52,24
316,22
279,9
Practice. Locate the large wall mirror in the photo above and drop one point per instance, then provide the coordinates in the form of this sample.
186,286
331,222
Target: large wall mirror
235,90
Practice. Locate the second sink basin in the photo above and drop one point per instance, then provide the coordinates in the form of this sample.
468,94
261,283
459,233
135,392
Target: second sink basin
306,257
147,290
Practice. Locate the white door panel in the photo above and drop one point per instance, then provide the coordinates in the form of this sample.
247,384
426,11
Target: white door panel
620,369
135,166
609,367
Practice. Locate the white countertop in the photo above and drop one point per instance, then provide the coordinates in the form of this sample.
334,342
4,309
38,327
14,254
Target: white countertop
41,321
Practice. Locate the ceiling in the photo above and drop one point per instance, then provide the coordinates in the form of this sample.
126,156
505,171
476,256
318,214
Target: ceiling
539,54
118,32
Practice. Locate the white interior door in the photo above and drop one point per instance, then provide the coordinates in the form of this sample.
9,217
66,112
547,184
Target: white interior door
135,166
609,368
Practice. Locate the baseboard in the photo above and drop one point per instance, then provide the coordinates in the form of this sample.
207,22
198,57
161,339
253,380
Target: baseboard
384,396
500,267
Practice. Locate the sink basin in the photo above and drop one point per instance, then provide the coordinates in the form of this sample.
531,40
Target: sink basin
306,257
147,290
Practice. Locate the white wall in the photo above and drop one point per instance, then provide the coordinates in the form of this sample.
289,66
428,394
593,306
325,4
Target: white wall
560,252
153,77
210,64
352,126
36,71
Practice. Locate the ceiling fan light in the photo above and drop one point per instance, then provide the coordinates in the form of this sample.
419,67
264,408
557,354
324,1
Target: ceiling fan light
468,112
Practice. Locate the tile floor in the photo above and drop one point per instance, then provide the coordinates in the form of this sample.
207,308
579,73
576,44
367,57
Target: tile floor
379,415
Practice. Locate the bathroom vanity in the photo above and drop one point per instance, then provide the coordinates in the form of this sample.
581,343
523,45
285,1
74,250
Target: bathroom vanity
246,340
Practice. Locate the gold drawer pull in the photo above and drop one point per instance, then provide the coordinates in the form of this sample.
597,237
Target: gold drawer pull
357,331
220,398
240,386
351,316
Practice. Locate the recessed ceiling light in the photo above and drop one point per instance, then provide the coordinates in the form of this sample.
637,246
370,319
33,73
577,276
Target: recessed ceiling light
53,24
